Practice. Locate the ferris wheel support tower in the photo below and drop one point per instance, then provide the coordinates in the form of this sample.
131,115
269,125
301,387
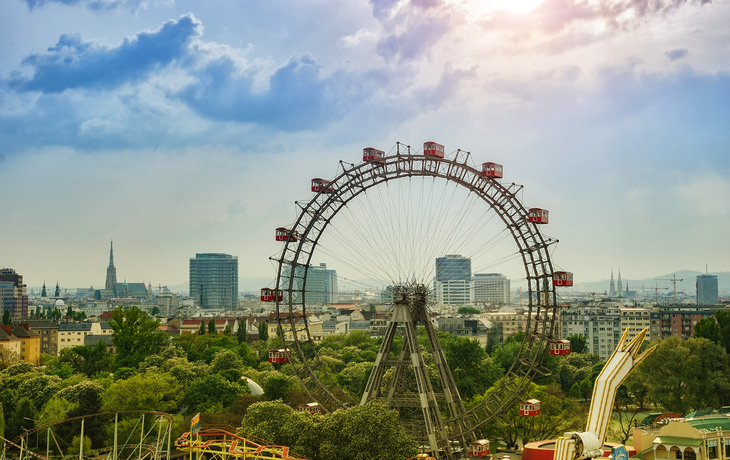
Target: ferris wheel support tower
577,446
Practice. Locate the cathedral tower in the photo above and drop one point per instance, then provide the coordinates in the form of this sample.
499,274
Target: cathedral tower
620,287
111,272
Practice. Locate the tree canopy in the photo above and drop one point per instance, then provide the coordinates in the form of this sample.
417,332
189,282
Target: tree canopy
136,336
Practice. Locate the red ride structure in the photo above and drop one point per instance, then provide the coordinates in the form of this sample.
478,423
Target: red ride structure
373,155
479,449
312,408
537,216
530,408
279,356
432,149
285,234
562,279
272,295
322,185
560,347
490,169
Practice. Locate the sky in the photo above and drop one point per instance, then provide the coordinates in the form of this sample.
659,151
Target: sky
177,127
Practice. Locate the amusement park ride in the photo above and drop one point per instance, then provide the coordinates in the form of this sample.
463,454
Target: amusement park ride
432,411
429,404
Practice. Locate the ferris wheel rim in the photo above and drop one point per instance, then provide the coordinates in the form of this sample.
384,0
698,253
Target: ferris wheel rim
320,210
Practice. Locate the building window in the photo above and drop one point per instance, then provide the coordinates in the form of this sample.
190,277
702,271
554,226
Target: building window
727,448
712,448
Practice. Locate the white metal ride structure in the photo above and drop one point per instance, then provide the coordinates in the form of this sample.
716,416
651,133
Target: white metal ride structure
388,218
577,446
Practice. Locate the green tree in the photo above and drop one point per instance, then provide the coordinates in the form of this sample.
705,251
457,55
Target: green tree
686,375
75,447
264,331
578,343
17,424
211,327
276,386
95,358
716,329
55,410
557,415
38,388
225,360
149,391
155,311
212,393
472,370
468,310
365,432
227,329
241,332
7,320
87,397
201,329
136,336
359,433
2,427
354,377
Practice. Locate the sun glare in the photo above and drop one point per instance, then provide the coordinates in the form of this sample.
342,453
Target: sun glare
520,6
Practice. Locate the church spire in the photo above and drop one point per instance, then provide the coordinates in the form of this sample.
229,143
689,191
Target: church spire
620,287
111,272
43,292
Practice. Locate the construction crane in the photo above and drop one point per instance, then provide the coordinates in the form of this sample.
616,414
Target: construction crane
656,292
578,446
674,280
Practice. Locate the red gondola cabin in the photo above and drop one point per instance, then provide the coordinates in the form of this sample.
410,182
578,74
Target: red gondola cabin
537,216
492,170
284,234
530,408
321,185
432,149
374,155
279,356
312,408
560,347
271,295
562,279
479,449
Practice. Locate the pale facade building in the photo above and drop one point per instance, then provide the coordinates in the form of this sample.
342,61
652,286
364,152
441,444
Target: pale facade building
490,288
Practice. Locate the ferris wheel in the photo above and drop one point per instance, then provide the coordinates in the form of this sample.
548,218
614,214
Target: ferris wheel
388,218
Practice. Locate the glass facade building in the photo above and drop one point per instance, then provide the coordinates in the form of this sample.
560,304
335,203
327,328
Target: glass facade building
452,268
214,280
707,291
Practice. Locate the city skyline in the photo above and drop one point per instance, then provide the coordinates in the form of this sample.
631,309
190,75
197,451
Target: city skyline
181,128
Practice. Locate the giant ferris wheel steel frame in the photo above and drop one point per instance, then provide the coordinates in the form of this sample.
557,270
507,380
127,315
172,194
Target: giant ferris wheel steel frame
355,179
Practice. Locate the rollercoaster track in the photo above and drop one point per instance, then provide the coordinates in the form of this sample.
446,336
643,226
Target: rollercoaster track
17,439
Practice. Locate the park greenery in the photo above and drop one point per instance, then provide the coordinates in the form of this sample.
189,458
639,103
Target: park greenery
206,373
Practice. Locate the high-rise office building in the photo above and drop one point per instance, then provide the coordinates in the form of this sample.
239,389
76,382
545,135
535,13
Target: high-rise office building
315,290
452,285
214,280
707,291
490,288
453,267
13,294
333,293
